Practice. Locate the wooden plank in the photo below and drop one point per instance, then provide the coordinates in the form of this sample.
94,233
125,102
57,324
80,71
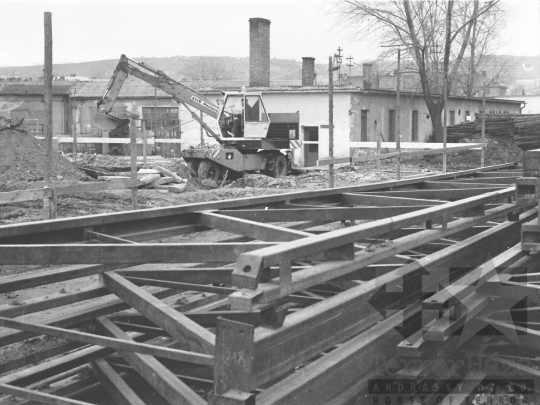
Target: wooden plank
176,324
40,397
384,201
440,194
25,195
98,186
325,214
156,374
180,355
126,253
114,384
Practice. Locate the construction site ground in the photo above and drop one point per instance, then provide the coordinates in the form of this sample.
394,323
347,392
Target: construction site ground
250,185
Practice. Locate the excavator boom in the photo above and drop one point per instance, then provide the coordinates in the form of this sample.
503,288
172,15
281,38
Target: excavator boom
107,120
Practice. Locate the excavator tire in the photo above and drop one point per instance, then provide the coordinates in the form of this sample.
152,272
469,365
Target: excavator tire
209,170
279,169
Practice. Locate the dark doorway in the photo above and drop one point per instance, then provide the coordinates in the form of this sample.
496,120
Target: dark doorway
311,150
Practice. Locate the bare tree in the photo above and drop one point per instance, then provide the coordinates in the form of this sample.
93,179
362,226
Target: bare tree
206,68
479,55
433,33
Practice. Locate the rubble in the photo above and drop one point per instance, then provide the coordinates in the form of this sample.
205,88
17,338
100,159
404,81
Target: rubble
22,158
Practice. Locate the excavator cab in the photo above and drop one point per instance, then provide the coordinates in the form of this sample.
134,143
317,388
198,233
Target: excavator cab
243,115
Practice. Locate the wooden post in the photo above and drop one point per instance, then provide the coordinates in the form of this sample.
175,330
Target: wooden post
145,143
378,136
398,112
202,132
133,150
445,106
48,203
330,121
74,141
482,152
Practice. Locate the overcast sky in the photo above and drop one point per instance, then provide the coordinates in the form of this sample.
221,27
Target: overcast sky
86,30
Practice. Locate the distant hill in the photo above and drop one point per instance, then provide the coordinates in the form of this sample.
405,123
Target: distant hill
178,67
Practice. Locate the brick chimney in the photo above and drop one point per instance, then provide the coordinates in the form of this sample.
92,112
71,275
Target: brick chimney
366,74
259,52
308,71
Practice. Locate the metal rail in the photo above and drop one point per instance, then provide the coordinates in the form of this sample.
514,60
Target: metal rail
278,295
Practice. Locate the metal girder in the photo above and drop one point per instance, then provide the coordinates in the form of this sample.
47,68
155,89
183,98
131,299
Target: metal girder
249,265
183,329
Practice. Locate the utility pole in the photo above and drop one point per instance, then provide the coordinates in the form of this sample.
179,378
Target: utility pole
74,127
350,59
398,112
445,106
49,205
330,121
339,58
482,152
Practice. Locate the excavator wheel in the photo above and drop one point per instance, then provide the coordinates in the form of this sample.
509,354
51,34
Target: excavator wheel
279,168
209,170
193,166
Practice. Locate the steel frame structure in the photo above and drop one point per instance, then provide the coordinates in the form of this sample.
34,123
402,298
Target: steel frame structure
283,293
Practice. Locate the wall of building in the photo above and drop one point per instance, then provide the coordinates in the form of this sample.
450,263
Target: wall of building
32,108
85,111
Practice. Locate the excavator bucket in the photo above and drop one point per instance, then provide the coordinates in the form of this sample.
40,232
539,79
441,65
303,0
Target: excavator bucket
107,123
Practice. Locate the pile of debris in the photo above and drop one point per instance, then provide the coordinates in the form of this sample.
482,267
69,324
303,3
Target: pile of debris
527,131
157,178
23,157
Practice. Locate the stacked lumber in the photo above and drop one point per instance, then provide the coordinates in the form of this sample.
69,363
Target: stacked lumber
456,132
496,124
527,131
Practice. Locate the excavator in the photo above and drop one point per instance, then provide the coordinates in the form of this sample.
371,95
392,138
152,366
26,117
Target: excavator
248,138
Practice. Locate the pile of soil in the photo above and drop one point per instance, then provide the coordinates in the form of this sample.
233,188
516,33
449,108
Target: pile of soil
22,158
499,150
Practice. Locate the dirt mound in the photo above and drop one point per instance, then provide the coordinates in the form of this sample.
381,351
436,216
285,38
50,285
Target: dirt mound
22,158
499,150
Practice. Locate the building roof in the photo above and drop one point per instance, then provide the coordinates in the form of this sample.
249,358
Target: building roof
132,88
32,90
136,88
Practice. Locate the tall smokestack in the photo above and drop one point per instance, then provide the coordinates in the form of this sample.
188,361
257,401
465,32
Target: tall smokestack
366,73
259,52
308,71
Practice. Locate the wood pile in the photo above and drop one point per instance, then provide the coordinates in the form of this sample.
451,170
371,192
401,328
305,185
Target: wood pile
496,124
527,131
456,132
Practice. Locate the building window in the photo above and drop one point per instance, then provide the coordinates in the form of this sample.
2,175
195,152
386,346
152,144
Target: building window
414,126
467,116
452,117
391,125
364,125
161,118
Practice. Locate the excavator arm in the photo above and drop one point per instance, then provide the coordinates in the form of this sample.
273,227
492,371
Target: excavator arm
107,120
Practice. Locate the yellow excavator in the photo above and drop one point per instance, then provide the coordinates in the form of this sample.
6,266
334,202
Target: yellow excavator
250,139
